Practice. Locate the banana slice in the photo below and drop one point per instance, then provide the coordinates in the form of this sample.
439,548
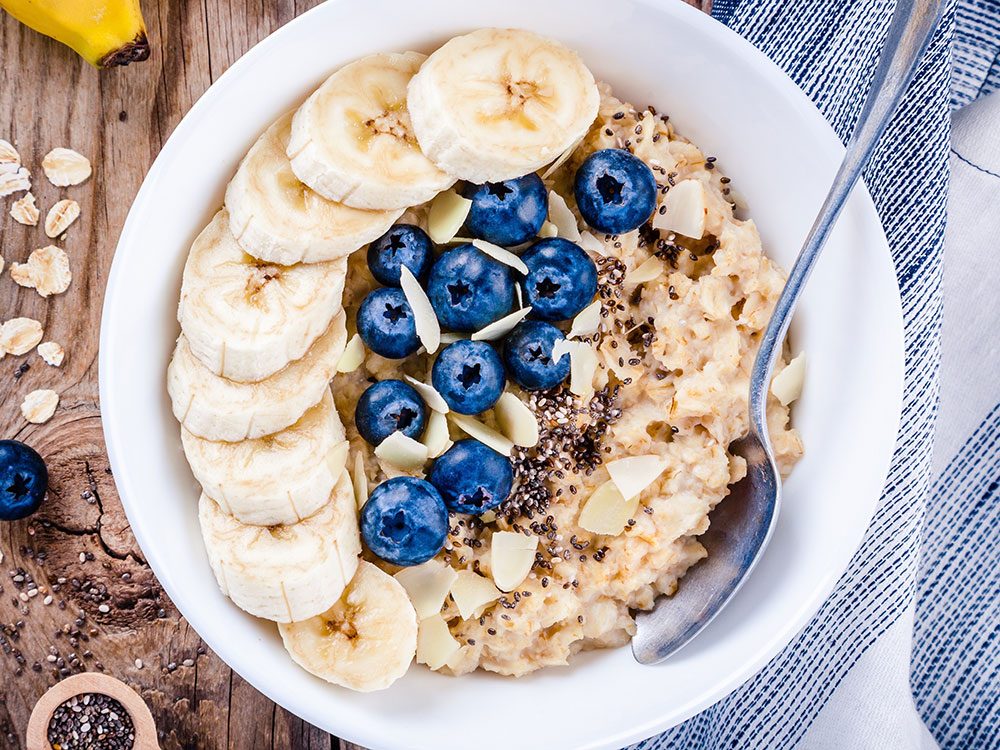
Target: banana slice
276,218
366,641
278,479
285,573
215,408
499,103
246,319
352,141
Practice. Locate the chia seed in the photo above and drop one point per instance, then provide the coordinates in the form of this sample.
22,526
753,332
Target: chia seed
91,721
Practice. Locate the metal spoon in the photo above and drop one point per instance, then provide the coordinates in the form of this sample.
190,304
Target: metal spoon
742,524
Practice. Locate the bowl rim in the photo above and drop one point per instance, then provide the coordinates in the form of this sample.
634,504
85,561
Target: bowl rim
128,490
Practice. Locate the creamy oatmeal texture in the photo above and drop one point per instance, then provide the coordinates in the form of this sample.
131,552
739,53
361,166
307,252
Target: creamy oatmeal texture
674,358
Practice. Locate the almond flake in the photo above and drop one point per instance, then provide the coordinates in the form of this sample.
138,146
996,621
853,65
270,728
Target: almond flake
562,217
427,585
471,592
47,271
424,318
563,157
548,230
685,209
587,321
582,368
650,269
39,406
448,213
429,394
592,245
64,167
359,478
51,352
25,211
502,255
20,335
15,181
450,337
633,474
60,216
8,156
435,643
787,384
607,511
500,328
516,420
353,356
511,558
402,452
485,435
436,435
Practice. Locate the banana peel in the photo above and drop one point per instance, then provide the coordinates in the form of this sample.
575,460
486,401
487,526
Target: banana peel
105,33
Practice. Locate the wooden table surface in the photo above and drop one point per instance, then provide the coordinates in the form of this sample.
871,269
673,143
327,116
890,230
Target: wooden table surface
107,611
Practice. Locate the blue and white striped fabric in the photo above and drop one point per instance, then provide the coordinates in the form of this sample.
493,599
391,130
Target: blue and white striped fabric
925,581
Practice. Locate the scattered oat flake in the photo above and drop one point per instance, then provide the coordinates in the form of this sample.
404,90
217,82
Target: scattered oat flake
25,211
51,352
64,167
60,216
39,406
15,181
47,271
20,335
8,155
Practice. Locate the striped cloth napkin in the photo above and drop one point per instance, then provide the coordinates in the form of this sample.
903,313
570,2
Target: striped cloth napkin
906,651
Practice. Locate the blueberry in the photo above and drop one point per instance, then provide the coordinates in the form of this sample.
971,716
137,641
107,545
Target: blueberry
390,406
507,213
386,324
23,480
527,352
561,281
403,245
472,478
469,376
615,191
405,521
469,290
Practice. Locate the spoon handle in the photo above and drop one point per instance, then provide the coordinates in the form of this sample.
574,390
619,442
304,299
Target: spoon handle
909,33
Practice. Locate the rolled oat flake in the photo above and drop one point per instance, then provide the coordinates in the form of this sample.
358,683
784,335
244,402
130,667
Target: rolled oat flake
91,721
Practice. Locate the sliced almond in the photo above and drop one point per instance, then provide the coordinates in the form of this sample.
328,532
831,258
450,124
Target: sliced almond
548,230
429,394
519,295
359,478
563,157
582,368
562,217
516,420
39,406
488,517
607,511
485,435
64,167
592,245
450,337
60,216
427,585
353,356
562,347
47,271
436,436
448,213
8,156
14,181
634,474
650,269
25,211
424,318
500,328
685,208
511,558
51,352
587,321
402,452
471,592
787,384
20,335
501,254
435,643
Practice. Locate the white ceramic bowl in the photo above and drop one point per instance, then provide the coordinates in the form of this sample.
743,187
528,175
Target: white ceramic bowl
781,155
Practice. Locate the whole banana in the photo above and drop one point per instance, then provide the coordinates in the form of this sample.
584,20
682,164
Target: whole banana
105,33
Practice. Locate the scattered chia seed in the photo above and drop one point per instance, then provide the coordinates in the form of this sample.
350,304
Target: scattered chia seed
91,721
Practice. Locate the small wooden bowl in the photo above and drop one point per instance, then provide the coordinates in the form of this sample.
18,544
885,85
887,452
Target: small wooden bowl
91,682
